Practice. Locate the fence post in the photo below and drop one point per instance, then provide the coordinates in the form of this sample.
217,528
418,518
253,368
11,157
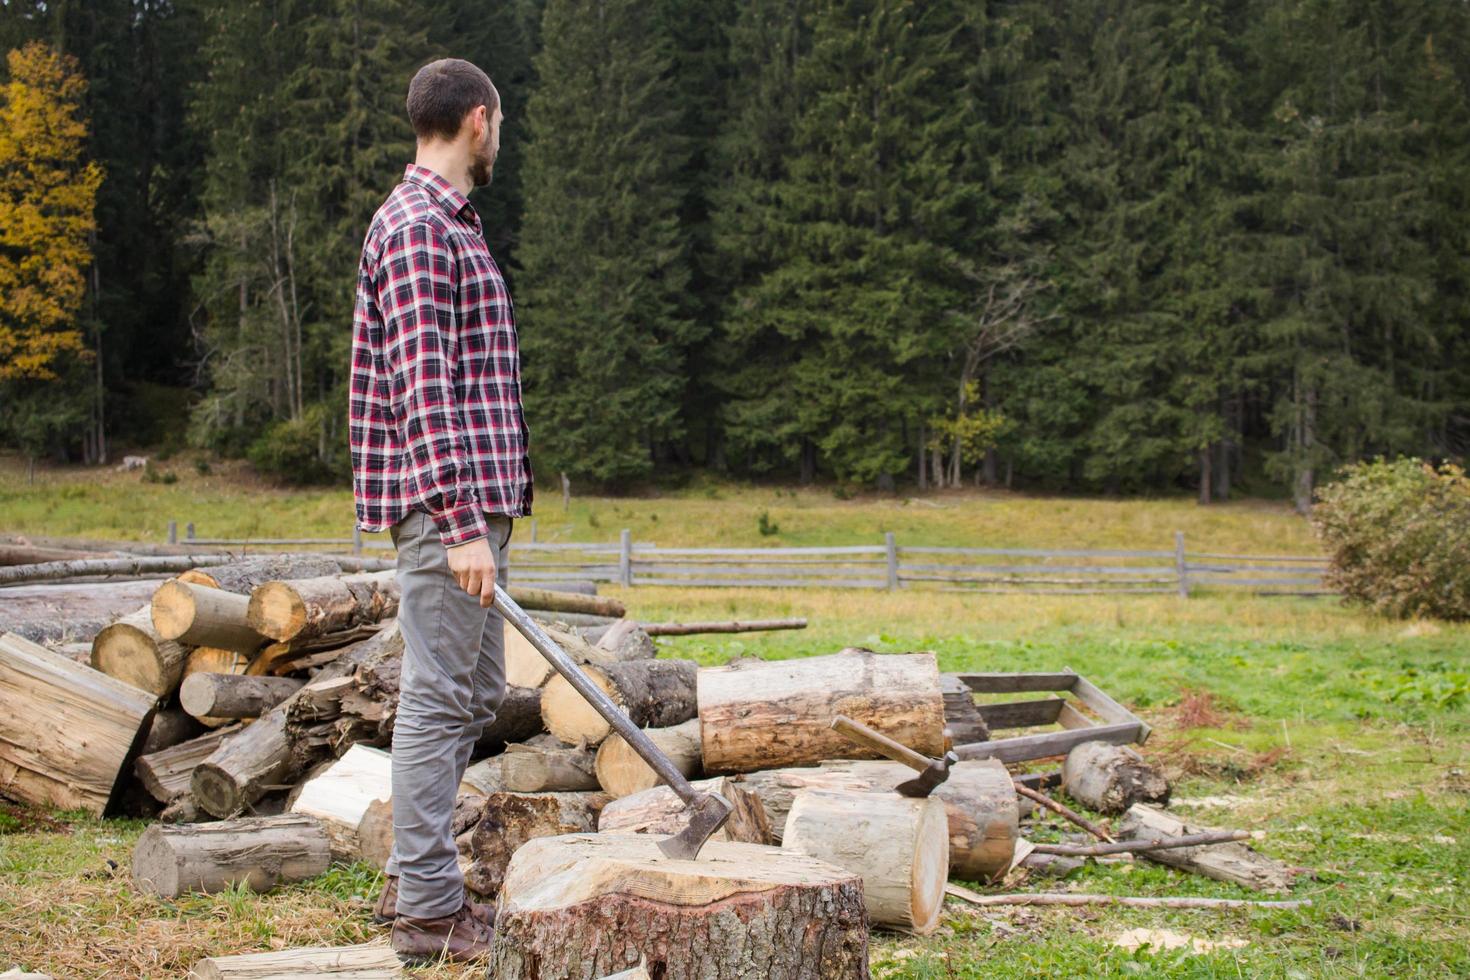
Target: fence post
173,532
533,530
356,540
189,531
625,557
1180,567
891,545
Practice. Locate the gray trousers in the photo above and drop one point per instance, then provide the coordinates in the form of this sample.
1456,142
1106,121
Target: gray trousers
452,682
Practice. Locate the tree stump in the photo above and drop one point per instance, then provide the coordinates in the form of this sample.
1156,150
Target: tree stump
653,693
1111,778
508,820
766,714
899,846
262,852
622,771
197,615
590,905
132,651
658,810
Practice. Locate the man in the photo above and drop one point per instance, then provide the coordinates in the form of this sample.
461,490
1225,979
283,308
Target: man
439,458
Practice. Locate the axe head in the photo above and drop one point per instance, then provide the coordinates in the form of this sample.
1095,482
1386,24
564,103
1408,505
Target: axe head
707,814
924,783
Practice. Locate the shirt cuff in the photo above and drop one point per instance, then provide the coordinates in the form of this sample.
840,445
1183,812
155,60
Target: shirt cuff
461,525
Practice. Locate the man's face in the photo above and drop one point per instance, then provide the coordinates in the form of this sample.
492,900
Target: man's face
483,166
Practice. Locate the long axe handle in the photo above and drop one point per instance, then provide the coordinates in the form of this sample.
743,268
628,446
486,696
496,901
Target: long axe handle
595,696
880,743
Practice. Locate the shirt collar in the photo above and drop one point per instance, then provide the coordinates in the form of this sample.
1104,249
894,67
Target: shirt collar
448,196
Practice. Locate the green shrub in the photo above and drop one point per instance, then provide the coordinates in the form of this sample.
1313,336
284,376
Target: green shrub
765,525
1398,534
290,451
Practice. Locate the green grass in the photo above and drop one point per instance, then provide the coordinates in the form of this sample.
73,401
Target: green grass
1344,737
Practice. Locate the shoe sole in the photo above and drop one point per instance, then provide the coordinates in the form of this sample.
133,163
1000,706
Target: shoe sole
383,920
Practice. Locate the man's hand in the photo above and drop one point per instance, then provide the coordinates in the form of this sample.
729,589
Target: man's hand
473,566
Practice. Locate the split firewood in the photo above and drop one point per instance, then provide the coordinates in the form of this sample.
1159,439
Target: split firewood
167,772
234,695
508,820
1236,862
979,803
622,771
261,852
73,730
370,961
285,610
244,575
340,796
133,651
196,615
590,905
658,810
1111,778
768,714
653,693
171,726
545,765
900,847
963,722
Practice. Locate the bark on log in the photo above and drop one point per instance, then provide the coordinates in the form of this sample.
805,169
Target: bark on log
133,567
234,695
586,906
196,615
279,659
213,660
483,777
167,772
303,608
768,714
1234,862
963,722
55,614
540,768
71,743
170,727
370,961
1111,778
659,810
900,847
340,796
244,575
622,771
29,554
262,852
132,651
626,640
653,693
727,626
566,602
508,820
517,719
979,801
524,665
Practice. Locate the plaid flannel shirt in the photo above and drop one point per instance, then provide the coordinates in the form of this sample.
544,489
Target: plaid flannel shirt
436,418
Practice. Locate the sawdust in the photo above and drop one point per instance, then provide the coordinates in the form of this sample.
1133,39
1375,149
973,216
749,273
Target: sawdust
1160,940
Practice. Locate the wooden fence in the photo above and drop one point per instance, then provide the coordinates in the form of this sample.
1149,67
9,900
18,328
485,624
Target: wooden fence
879,566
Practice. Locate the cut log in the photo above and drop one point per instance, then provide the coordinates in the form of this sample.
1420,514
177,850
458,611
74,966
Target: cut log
30,554
75,568
508,820
524,665
517,719
370,961
213,660
71,731
244,575
1234,862
285,610
132,651
483,777
622,772
294,655
197,615
585,906
234,695
171,726
53,614
626,640
963,722
659,810
768,714
166,773
261,852
340,797
566,602
1111,778
537,767
978,798
653,693
900,847
727,626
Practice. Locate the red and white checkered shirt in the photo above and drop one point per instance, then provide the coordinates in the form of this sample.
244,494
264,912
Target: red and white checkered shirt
436,417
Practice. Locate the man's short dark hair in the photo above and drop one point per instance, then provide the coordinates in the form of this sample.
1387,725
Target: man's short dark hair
443,93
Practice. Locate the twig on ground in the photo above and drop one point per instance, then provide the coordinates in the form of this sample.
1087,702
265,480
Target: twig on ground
1055,898
1152,844
1067,812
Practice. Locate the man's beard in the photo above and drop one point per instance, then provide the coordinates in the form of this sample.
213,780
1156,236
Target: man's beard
482,169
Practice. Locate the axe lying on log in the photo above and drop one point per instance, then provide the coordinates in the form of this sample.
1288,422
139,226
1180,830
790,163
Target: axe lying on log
932,772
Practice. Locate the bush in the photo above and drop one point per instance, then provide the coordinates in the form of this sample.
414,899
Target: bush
1399,537
290,451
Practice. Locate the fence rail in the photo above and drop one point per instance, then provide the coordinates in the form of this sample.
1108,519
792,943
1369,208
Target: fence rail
1062,571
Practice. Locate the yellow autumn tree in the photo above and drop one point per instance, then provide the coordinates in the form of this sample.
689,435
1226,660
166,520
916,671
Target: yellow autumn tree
47,195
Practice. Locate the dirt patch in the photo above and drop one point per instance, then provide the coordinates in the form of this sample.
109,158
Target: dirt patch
17,819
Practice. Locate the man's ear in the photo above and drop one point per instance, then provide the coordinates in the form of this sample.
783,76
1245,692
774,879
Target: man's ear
478,123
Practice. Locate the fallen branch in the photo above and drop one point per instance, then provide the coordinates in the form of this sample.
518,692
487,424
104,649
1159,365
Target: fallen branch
43,571
1064,811
1054,898
1133,846
730,626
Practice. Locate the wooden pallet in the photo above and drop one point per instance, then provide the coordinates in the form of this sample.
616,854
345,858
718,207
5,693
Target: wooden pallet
1116,725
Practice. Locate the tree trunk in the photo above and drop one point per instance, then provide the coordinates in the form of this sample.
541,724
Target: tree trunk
234,695
653,693
1206,476
576,907
508,820
1111,778
196,615
766,714
979,800
660,811
304,608
900,847
166,773
370,961
261,852
622,771
540,768
132,651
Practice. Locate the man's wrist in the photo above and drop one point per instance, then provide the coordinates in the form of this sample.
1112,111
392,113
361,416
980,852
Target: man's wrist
461,525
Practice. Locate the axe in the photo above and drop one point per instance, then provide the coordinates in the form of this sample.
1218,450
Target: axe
708,811
932,772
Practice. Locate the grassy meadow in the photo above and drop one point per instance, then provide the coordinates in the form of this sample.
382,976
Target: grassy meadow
1342,736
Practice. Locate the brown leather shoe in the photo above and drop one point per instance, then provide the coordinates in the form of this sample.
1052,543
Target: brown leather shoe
387,908
457,938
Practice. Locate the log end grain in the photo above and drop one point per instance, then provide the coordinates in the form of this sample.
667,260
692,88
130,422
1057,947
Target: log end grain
276,611
569,716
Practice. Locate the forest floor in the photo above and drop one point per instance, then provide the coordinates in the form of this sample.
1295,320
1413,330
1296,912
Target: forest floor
1345,737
